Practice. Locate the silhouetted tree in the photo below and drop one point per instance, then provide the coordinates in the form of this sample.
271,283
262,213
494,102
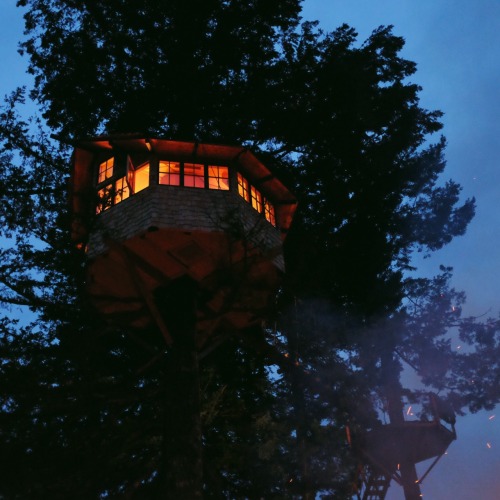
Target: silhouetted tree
341,124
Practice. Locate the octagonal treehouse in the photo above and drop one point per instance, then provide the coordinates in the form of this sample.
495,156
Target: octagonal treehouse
152,211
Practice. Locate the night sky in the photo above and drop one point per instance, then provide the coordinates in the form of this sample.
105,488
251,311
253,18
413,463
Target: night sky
456,44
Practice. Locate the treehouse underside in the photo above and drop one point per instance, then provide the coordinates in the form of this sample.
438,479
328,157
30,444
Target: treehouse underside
410,442
235,280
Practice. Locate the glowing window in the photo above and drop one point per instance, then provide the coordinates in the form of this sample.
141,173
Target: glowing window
170,173
105,198
269,212
105,170
194,175
256,199
243,188
140,178
218,177
122,191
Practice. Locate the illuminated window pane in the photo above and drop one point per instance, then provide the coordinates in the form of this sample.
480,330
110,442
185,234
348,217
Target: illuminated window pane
105,198
194,175
170,173
122,191
269,212
105,170
243,188
141,177
256,199
218,177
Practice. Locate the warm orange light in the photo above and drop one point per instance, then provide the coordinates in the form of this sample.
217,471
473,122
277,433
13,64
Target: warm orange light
105,170
269,212
141,177
194,175
105,199
122,191
218,177
256,199
243,190
170,173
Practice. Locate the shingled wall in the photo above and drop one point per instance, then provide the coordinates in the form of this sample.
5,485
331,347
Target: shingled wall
188,209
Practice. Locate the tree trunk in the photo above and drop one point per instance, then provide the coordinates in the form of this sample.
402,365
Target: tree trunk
391,371
182,439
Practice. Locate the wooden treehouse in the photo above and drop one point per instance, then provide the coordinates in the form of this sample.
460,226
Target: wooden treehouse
385,451
151,211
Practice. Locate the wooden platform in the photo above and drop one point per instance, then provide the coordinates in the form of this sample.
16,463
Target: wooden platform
236,280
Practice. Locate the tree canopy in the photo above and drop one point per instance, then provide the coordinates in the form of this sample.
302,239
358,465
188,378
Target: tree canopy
340,122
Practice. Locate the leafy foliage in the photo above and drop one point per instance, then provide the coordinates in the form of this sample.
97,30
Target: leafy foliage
338,121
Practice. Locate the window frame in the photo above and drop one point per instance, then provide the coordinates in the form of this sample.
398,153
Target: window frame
113,190
256,199
102,174
219,179
196,179
169,174
109,191
205,180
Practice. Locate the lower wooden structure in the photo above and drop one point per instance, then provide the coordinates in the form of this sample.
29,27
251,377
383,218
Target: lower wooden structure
236,279
384,449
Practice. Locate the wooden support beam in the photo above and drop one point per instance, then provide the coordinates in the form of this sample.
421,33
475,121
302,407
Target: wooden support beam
146,294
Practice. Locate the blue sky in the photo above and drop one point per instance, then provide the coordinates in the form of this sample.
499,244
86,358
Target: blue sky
456,44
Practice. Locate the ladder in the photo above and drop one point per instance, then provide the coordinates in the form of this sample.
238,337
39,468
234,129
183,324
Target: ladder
375,485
